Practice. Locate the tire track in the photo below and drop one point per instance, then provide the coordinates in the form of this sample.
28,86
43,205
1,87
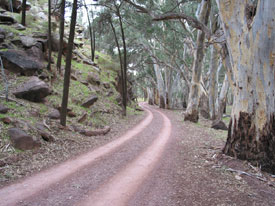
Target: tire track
119,189
15,193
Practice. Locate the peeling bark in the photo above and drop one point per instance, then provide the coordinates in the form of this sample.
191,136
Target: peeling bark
250,41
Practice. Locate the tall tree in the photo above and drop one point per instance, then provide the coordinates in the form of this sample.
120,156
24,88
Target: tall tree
67,75
250,36
23,18
61,34
192,113
91,31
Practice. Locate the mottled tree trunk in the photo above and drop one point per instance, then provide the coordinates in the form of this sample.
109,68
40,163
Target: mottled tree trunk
250,37
221,100
212,91
192,113
160,83
150,96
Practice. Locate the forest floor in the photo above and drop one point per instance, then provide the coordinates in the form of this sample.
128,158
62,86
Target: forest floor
162,161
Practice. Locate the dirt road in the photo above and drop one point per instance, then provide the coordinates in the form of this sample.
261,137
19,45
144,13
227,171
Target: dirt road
160,162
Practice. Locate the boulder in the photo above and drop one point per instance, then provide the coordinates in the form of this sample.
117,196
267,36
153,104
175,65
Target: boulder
90,101
3,109
54,114
7,19
16,5
219,124
18,62
28,41
34,90
21,140
36,51
19,27
93,78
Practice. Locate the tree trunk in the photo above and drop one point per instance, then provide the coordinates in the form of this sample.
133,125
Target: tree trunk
67,75
124,99
212,91
49,36
250,36
222,99
23,20
168,87
192,113
121,66
90,32
161,87
61,35
150,96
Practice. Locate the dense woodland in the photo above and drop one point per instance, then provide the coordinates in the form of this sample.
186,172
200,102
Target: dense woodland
198,56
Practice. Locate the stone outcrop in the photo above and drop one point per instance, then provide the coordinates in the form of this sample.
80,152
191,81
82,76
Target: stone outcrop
19,62
34,90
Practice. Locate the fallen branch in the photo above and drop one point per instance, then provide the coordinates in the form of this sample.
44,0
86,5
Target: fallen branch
45,124
96,132
247,174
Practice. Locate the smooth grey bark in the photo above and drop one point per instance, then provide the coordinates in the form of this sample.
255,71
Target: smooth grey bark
192,113
250,37
212,91
160,83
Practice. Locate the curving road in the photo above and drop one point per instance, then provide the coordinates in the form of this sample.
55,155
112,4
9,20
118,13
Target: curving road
109,175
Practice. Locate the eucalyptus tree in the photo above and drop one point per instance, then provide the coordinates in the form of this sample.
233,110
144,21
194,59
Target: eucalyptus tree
250,37
91,30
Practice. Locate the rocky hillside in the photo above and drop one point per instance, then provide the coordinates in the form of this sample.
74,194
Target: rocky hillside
30,134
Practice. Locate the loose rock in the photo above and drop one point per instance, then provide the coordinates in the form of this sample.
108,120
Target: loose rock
89,102
54,114
18,62
3,109
219,125
21,140
34,90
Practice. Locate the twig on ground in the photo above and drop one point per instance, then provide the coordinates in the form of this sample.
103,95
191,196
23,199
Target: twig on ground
45,124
